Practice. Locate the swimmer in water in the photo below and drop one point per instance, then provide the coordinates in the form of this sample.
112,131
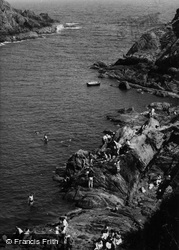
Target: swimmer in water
45,139
31,200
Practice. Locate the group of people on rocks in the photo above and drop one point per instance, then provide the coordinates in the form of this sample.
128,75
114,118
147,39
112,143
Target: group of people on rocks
159,183
61,233
18,234
109,239
65,241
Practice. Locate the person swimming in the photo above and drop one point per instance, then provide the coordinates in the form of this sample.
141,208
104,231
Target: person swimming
31,200
45,139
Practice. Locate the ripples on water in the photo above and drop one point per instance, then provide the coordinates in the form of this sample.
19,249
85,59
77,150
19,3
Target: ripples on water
43,90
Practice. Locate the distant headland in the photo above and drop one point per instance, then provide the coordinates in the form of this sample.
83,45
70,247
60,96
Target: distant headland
16,25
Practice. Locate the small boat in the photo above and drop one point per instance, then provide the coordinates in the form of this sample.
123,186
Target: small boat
93,83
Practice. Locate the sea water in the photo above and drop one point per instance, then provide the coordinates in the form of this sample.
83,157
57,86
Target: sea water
43,90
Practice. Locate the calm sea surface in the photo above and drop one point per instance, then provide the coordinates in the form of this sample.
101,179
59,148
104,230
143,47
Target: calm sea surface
43,90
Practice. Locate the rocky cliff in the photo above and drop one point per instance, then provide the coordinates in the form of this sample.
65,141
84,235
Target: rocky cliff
16,24
148,149
151,64
136,199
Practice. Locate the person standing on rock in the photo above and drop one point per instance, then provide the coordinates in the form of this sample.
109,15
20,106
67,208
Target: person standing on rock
118,168
90,178
152,112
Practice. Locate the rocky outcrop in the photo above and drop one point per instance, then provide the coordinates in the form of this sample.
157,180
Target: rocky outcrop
124,85
137,197
152,63
16,24
148,147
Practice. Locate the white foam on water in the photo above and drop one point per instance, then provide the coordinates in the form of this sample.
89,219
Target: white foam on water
71,24
59,28
74,28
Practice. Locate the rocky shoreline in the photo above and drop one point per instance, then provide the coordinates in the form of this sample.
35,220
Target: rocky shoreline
138,198
135,170
151,64
18,25
153,151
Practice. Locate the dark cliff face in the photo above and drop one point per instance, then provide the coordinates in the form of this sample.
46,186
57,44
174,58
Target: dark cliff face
15,21
151,64
175,23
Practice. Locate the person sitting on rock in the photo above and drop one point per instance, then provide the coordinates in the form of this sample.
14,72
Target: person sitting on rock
106,139
125,147
110,245
118,147
19,233
26,234
159,180
117,239
116,208
108,154
98,245
105,233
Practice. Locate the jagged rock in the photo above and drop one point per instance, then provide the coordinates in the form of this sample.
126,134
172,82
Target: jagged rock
160,105
175,23
148,41
75,162
152,56
98,65
145,143
126,110
101,75
14,22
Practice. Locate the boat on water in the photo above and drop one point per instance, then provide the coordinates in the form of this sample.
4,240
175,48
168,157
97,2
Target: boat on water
93,83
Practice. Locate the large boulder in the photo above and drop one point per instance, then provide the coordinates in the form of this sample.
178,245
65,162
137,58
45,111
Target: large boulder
124,85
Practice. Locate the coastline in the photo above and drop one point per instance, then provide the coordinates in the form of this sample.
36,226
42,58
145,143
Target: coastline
18,25
142,207
31,34
150,65
137,205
